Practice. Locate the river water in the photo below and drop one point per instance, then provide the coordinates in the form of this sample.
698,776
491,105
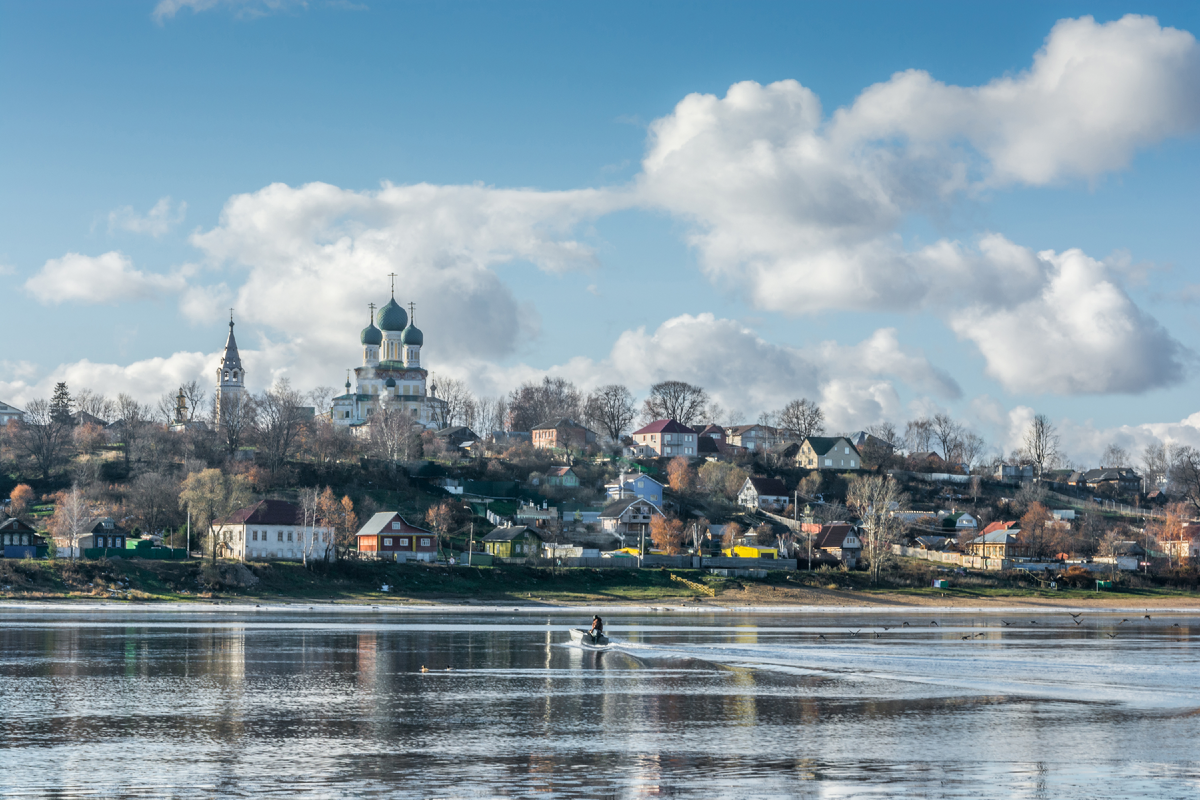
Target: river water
291,702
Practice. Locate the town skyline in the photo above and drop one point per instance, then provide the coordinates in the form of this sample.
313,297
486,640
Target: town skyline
752,228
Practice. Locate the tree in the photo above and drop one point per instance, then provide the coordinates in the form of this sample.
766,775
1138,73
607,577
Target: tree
441,518
1184,475
875,499
667,534
235,420
394,435
1033,529
1156,463
458,399
21,498
96,405
320,397
610,409
339,517
918,435
1115,456
45,439
132,416
802,418
680,474
971,448
534,403
309,512
279,423
1040,442
487,415
153,497
731,535
734,482
810,484
948,435
61,404
211,495
72,512
677,400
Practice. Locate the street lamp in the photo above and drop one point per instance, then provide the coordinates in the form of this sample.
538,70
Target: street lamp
808,532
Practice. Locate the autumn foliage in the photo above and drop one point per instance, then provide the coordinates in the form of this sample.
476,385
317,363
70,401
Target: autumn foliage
667,534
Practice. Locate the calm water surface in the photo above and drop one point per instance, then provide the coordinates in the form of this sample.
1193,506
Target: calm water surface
299,703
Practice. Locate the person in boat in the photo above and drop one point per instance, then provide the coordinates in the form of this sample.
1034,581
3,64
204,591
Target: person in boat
597,628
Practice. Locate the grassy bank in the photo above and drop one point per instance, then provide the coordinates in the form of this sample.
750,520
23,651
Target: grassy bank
136,580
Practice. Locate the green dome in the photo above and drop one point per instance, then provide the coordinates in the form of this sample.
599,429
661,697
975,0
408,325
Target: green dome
391,383
371,335
412,335
391,317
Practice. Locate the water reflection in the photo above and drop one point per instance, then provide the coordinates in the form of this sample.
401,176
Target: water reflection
203,705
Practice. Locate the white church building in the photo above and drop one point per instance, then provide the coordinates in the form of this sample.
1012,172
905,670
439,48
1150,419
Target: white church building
391,372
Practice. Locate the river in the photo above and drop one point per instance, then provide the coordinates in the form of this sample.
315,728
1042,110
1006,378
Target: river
195,702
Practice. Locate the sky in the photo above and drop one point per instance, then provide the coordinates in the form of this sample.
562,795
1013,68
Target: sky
892,209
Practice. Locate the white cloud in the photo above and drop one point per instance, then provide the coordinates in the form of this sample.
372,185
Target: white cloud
802,214
317,254
156,222
106,278
167,9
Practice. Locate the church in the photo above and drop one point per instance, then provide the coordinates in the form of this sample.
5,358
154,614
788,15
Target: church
391,372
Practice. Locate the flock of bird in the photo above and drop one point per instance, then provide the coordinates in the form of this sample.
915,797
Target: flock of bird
1075,618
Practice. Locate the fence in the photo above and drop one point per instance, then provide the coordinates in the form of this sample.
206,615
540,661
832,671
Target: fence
956,559
658,562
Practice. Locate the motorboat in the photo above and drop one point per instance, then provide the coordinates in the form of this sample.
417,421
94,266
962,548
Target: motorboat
585,638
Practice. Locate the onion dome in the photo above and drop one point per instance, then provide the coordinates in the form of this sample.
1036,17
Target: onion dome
412,335
371,335
391,317
391,383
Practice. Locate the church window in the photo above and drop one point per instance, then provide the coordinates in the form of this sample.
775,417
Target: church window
226,375
235,374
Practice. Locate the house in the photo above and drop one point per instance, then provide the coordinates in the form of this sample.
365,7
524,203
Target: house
750,551
666,438
1109,480
1014,472
829,453
841,540
9,413
1063,514
769,493
562,434
513,541
928,461
456,436
935,543
20,540
271,529
390,537
755,438
562,476
1001,543
629,517
104,534
868,441
642,486
960,522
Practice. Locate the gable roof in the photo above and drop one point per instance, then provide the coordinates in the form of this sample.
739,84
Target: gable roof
1000,526
94,525
823,444
265,512
14,525
833,534
664,426
738,430
772,487
710,430
456,430
381,520
561,422
559,472
1109,474
510,532
617,508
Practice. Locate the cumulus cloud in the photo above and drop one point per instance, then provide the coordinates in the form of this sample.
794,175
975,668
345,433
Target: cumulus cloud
801,213
156,222
315,255
107,278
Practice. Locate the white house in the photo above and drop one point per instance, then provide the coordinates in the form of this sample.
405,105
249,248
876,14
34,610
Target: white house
272,529
763,493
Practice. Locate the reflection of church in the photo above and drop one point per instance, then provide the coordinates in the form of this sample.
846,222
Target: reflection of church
391,372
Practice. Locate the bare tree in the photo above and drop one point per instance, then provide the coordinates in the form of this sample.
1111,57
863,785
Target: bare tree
458,399
1115,457
97,405
802,418
885,431
534,403
165,407
948,435
195,394
1156,463
46,440
918,435
320,397
677,400
154,498
487,415
874,499
235,422
971,447
309,512
72,512
395,436
1184,475
279,423
132,416
610,408
1041,442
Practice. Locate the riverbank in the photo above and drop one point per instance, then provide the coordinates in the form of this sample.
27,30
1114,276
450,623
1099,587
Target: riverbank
404,585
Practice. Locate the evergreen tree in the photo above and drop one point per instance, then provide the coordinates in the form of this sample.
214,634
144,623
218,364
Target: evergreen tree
60,404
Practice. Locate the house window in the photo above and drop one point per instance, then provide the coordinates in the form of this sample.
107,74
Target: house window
424,542
847,449
387,541
404,542
289,536
254,536
279,536
829,462
395,526
852,462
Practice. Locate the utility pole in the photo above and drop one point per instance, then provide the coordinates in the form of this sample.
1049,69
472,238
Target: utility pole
471,542
188,550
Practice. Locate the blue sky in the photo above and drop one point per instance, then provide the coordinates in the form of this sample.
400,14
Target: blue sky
110,108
